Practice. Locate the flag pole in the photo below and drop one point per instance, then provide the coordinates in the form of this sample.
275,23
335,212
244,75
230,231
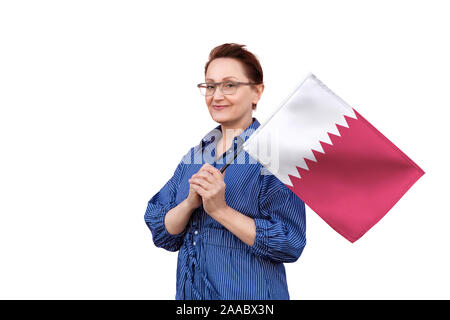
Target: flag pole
230,161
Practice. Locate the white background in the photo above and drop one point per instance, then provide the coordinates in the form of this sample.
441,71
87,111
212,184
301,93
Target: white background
99,103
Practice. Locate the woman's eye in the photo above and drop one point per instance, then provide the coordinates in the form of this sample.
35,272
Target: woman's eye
230,85
210,87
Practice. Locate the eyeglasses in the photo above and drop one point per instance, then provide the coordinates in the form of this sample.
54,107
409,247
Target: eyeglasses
226,87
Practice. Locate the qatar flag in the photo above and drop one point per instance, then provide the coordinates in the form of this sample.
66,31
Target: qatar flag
333,159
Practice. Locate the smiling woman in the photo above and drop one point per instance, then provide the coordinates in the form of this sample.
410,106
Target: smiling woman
239,95
234,230
233,86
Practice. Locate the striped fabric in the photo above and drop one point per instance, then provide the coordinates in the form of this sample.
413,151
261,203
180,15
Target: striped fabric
212,262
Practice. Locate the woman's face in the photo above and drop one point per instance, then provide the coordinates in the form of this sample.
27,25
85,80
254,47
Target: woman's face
238,105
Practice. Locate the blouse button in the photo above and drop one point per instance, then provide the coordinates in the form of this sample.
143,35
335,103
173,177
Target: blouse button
195,232
194,243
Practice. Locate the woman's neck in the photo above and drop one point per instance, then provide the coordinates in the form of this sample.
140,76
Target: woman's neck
229,131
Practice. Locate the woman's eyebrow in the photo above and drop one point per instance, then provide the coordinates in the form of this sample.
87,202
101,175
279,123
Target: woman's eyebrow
222,79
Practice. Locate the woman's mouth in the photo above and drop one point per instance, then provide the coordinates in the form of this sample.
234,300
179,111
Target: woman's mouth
219,107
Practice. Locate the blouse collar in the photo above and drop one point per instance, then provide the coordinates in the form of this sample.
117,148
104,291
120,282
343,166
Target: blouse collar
216,133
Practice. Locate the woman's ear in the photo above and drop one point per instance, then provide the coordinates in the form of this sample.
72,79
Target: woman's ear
259,91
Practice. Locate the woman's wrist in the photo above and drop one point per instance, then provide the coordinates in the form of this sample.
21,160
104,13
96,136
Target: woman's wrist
176,219
188,205
221,212
241,225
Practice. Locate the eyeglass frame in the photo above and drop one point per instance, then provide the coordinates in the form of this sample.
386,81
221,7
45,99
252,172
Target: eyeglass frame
238,83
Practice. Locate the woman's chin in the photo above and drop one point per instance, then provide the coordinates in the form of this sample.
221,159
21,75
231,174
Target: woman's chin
220,116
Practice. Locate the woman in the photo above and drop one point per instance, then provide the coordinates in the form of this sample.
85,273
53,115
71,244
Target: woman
233,230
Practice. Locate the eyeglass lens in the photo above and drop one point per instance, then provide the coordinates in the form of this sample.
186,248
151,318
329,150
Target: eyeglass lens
227,88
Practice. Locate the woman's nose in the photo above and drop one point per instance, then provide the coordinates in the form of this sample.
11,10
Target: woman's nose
218,94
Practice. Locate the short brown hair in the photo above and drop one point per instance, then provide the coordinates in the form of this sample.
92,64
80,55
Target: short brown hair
252,67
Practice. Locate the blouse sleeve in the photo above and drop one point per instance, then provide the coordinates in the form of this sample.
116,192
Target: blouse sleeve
281,231
157,208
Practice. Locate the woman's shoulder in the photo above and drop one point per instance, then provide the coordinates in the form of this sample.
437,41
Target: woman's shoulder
187,158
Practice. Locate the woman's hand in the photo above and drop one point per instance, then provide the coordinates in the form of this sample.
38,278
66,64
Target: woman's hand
193,199
209,183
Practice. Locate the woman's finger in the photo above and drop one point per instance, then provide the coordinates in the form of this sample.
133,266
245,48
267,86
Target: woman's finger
215,173
198,189
212,172
201,182
208,176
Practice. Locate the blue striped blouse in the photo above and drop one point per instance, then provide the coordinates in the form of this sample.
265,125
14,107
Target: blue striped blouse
212,262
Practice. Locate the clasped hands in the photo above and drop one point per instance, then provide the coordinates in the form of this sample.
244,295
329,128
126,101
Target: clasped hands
207,186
